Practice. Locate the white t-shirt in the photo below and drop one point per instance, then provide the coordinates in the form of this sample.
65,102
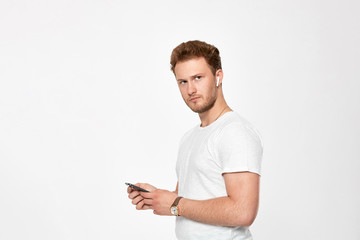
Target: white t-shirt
230,144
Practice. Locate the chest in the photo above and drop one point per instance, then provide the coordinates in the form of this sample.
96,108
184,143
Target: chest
196,156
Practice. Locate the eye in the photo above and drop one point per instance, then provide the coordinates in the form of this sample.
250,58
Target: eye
197,77
182,82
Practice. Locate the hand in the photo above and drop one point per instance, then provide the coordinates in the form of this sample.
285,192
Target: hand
159,200
137,199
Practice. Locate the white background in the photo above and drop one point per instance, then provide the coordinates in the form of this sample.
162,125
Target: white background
87,102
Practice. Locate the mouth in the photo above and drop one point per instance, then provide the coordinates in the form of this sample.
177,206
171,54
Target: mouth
193,99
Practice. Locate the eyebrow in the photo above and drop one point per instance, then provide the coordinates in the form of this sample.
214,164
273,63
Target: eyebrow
193,76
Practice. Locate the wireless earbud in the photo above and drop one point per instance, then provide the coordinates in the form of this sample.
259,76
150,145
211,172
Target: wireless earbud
218,80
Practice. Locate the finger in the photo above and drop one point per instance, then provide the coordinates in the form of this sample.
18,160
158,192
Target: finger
146,194
146,186
145,207
130,189
141,185
139,205
133,194
136,200
148,201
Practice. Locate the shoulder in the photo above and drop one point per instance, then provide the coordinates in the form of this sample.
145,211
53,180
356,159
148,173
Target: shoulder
238,146
235,127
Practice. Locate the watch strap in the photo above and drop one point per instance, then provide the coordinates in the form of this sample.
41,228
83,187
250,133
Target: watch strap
176,202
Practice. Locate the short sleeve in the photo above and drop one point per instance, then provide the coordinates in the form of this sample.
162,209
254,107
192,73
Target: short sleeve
239,148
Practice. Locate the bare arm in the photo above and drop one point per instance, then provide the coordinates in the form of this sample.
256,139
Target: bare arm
239,208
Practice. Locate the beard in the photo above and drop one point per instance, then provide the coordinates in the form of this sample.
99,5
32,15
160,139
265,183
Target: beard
207,104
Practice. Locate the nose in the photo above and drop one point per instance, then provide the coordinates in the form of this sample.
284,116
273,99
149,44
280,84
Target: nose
191,88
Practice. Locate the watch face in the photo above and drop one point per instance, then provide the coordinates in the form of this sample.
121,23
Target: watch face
174,210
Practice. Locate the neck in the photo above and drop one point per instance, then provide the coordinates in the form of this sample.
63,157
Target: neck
220,108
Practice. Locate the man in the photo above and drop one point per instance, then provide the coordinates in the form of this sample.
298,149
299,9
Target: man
218,166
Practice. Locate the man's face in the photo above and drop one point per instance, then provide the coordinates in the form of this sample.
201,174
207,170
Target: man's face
197,84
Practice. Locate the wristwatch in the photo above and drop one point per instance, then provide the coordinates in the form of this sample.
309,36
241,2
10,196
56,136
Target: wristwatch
174,209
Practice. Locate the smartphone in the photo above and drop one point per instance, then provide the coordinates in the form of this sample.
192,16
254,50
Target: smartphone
136,187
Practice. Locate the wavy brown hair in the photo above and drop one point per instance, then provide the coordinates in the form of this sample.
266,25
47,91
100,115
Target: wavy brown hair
194,49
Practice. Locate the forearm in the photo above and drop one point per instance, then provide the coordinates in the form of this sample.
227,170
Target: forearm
221,211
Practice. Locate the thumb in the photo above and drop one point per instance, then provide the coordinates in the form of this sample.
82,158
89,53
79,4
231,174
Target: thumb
146,186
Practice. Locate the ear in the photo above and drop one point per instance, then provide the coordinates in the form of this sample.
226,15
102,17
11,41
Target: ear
219,74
